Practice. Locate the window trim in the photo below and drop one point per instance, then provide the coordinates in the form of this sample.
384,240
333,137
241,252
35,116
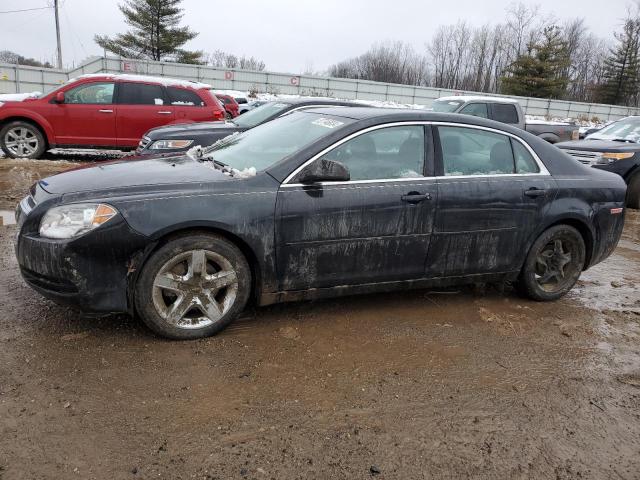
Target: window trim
437,150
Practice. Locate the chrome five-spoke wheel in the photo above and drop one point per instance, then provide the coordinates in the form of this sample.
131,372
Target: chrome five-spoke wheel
554,263
193,286
195,289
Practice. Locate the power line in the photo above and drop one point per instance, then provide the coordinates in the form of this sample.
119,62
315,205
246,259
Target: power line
25,10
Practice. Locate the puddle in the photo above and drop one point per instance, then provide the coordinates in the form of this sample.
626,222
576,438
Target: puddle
8,217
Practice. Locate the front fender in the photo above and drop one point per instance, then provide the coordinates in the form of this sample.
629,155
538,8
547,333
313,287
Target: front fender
17,113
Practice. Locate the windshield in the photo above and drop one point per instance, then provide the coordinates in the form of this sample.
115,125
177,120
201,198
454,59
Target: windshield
267,144
57,88
446,106
259,114
624,130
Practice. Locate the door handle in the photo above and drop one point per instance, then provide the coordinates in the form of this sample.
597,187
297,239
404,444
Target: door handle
535,192
106,111
164,112
415,197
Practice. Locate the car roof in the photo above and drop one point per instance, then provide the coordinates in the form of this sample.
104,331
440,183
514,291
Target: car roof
476,98
166,81
302,101
386,115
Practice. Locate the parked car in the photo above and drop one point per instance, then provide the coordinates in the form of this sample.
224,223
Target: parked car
318,203
243,105
252,105
615,148
230,105
507,111
179,138
102,111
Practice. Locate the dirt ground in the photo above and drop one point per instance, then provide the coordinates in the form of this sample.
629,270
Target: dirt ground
475,383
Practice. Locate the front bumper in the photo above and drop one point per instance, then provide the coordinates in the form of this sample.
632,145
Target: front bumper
91,272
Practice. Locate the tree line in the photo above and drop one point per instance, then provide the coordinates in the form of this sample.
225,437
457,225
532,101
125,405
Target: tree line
530,54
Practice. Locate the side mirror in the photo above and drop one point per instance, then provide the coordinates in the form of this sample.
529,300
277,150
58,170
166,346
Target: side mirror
60,97
324,170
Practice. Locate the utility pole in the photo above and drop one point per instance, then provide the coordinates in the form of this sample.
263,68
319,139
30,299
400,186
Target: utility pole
55,8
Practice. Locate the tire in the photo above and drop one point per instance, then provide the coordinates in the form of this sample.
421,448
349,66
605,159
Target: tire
633,192
178,307
22,140
551,269
228,116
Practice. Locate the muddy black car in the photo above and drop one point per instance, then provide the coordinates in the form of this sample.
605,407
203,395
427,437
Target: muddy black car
615,148
320,203
182,137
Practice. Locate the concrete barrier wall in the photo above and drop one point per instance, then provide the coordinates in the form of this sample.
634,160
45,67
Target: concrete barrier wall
19,79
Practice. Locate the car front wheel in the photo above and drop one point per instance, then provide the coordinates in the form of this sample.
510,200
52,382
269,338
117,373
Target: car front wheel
193,287
22,140
553,264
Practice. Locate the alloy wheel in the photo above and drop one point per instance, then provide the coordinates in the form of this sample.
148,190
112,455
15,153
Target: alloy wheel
556,265
21,142
195,289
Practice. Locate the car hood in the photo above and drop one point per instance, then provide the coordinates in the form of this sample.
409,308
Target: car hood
124,174
599,146
174,131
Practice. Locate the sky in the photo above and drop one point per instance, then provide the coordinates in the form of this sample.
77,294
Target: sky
288,35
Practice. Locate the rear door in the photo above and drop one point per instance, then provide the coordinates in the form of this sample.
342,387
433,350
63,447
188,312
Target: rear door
87,117
492,193
374,228
141,106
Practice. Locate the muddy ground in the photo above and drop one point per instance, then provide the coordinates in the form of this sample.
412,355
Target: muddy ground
475,383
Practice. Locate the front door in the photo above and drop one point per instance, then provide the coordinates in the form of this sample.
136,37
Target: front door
491,195
374,228
87,117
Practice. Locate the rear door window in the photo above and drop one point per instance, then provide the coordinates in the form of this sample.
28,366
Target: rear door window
140,94
476,109
505,113
471,151
525,162
184,97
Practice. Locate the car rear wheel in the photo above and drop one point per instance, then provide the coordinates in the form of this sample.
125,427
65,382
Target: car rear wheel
633,192
193,287
22,140
553,264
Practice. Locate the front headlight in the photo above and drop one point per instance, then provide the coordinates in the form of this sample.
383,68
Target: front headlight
170,144
70,221
607,158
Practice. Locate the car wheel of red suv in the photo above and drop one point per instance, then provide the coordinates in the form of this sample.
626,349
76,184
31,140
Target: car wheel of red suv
22,140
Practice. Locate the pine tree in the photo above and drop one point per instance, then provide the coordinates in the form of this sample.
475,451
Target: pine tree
155,32
541,71
622,68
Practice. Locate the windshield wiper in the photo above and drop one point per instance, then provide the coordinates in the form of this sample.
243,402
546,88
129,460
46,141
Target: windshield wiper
621,139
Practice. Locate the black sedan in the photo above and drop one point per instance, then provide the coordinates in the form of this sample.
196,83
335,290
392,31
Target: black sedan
320,203
615,148
182,137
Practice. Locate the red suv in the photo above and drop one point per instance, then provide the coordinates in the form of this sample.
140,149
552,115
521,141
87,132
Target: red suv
230,105
102,110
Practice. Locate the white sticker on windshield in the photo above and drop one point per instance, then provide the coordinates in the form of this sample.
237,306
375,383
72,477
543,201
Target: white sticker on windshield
327,123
